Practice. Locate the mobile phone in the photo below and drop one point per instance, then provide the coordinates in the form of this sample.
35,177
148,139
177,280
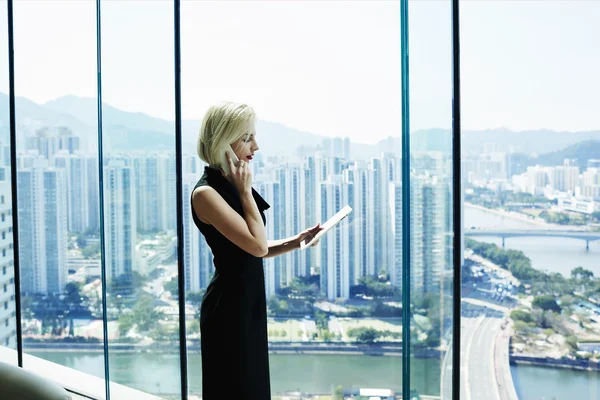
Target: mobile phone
224,162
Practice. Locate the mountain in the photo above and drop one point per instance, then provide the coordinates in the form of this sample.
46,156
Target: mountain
130,131
581,152
532,142
32,113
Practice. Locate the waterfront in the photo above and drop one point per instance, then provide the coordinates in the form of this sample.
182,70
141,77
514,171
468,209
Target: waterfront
321,373
549,254
314,373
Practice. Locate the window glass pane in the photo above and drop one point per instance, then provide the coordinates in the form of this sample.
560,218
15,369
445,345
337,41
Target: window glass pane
140,195
55,79
8,335
431,263
531,199
324,79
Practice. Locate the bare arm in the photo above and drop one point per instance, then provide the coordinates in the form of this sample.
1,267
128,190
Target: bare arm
248,233
282,246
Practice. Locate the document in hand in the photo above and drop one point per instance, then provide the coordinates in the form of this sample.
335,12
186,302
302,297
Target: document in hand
331,222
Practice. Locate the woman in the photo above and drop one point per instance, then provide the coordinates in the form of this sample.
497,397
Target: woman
230,215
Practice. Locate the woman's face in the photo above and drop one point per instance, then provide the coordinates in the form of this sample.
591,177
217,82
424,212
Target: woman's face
246,146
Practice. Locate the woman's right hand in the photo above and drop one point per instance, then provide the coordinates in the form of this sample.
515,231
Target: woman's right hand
240,175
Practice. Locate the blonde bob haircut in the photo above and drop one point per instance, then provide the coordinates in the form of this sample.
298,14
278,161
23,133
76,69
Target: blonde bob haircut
223,124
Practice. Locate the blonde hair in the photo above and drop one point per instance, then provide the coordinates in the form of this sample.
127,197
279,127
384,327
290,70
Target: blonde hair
223,123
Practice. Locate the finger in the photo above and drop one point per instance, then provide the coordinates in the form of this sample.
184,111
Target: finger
230,161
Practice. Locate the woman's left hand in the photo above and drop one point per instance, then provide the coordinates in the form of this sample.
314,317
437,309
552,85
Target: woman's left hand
308,235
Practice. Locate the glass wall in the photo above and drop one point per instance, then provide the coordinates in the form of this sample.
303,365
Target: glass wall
8,335
139,199
56,181
531,199
431,204
329,126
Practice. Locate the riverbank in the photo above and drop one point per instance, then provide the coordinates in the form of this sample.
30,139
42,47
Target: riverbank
564,363
374,349
517,216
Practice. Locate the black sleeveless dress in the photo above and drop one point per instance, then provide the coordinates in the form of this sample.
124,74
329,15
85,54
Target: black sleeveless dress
233,314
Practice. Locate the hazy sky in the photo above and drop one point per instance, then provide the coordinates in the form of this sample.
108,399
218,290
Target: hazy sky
332,68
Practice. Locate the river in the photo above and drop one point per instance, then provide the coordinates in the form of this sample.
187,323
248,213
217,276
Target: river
554,255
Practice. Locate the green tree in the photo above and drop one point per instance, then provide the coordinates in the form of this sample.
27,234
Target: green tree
566,301
520,315
172,286
433,340
274,305
284,306
327,335
338,393
364,335
91,251
581,273
546,303
144,315
571,341
321,319
80,240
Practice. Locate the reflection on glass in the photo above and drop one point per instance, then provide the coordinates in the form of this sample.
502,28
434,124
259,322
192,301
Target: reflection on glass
57,184
139,195
332,307
531,292
431,250
8,335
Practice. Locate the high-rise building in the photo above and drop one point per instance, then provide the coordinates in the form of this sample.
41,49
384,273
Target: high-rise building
49,141
334,247
537,179
327,147
7,271
595,163
564,178
93,193
77,187
146,177
154,177
293,218
378,218
428,232
197,256
168,192
120,225
270,191
347,148
416,233
362,212
311,200
434,232
42,228
338,147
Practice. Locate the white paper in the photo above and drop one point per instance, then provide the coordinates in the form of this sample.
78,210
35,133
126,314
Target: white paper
331,222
